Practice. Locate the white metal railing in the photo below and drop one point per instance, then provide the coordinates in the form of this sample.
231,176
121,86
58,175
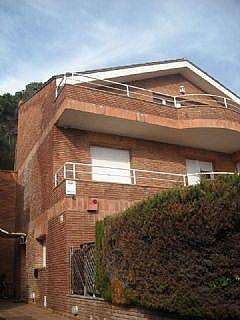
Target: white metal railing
180,101
89,172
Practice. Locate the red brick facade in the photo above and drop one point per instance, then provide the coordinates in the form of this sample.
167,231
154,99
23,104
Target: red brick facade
8,188
44,211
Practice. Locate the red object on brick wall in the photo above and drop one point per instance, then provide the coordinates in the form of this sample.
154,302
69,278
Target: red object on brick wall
93,204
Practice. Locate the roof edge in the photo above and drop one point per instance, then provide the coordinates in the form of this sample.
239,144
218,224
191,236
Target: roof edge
153,63
123,67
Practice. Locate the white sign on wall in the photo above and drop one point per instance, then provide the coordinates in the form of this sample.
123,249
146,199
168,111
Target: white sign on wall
71,189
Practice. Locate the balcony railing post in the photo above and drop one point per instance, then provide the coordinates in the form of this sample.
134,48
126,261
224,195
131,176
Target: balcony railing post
175,101
134,176
74,171
185,180
127,88
225,102
64,79
64,171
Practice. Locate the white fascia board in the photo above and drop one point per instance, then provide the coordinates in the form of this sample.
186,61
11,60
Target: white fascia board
214,83
111,74
138,70
124,72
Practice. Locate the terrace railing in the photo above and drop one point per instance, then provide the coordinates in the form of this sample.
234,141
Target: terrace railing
141,177
181,101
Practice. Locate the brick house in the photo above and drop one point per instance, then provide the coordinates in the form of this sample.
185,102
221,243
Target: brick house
91,144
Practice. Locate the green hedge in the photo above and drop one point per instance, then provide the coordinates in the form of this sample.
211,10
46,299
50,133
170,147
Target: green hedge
178,251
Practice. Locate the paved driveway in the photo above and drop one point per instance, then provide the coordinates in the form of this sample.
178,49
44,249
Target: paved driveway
22,311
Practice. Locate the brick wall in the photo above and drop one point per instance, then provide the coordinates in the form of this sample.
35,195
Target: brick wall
118,101
37,180
135,109
7,222
168,85
42,148
96,309
69,229
74,145
57,263
45,203
34,117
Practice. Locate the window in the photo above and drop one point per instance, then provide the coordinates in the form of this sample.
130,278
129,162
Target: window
194,167
110,165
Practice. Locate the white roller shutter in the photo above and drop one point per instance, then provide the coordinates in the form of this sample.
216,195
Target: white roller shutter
205,166
194,167
110,165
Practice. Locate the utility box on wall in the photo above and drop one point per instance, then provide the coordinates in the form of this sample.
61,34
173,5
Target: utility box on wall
71,188
93,204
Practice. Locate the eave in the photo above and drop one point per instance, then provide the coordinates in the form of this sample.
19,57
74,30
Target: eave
184,67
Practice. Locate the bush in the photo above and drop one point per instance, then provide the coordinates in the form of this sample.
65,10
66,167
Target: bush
178,251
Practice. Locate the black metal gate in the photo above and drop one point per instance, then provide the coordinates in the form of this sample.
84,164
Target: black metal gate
82,264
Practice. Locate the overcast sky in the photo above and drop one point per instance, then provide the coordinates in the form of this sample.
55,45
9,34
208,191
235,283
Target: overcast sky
40,38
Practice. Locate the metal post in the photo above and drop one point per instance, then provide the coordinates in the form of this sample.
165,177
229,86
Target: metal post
74,171
71,269
134,176
225,102
84,272
55,179
175,101
128,92
184,180
64,171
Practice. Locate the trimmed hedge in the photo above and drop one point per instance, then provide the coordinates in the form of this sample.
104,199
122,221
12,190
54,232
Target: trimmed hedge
178,251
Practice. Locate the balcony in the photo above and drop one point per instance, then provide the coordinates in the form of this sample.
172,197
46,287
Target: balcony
183,101
197,120
135,177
